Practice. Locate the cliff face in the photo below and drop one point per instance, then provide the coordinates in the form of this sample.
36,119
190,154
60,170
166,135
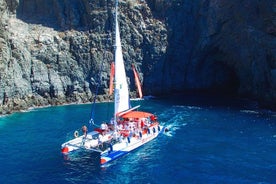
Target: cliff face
222,46
52,52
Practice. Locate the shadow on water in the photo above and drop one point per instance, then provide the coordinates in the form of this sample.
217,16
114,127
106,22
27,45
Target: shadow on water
209,100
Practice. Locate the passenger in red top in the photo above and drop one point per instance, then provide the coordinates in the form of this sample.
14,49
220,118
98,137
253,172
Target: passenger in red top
142,124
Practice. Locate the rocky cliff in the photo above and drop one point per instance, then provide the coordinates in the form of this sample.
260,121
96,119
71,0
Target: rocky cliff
52,52
220,46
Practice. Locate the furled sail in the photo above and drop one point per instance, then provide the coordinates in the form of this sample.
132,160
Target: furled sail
137,82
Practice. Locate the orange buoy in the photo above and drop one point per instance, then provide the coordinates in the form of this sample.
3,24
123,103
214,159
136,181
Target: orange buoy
65,150
103,161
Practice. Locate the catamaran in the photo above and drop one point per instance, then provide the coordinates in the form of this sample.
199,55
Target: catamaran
128,128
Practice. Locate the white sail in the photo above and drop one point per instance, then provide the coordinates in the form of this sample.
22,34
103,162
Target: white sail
121,93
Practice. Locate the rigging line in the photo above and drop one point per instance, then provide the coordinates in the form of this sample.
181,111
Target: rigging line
112,36
91,121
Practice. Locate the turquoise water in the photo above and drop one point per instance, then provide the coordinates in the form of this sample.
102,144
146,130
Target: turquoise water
210,141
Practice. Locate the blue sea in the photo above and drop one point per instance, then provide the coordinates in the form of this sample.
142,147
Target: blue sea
211,140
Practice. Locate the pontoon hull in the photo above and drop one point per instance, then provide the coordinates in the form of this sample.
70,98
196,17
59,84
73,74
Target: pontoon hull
128,145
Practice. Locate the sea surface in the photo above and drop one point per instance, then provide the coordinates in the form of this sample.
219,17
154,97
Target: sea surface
211,140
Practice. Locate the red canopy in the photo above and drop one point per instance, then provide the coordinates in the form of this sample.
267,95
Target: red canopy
137,114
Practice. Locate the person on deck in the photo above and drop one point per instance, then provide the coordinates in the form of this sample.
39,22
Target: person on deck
100,140
142,123
104,128
111,125
84,130
120,127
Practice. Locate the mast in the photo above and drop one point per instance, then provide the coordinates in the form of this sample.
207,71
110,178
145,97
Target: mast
121,93
111,79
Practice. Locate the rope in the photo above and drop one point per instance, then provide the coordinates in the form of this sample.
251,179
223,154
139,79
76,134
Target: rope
91,121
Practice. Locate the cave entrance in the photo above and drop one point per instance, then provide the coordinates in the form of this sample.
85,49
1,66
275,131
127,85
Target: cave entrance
218,76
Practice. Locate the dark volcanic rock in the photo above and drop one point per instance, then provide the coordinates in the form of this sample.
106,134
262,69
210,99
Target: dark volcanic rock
221,46
53,52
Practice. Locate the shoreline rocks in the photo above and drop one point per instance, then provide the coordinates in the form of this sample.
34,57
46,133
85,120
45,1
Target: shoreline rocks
55,53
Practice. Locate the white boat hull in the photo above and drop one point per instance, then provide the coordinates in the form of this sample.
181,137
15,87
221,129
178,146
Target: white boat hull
130,143
122,145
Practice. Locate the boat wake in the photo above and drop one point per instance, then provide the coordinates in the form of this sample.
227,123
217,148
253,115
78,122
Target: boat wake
172,129
176,118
